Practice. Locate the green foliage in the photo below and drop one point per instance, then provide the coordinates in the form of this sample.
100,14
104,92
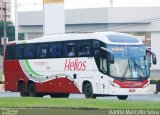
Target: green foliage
1,82
154,81
1,75
10,31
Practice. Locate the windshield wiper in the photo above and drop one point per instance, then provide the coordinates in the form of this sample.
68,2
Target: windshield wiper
136,67
126,69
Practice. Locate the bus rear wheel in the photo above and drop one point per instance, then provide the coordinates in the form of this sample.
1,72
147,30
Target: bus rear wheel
88,91
22,89
32,91
59,95
122,97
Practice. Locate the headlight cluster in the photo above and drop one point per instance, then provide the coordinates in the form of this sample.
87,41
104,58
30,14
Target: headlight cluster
114,84
146,85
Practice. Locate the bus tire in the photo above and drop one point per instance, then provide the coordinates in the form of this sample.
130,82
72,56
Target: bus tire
122,97
32,90
59,95
22,89
88,91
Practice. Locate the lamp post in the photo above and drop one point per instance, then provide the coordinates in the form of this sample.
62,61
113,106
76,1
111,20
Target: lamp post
4,31
4,34
16,20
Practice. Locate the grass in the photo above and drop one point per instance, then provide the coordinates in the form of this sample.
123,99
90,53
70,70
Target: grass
78,103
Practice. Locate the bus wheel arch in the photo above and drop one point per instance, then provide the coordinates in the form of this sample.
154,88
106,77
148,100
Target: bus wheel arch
88,90
22,88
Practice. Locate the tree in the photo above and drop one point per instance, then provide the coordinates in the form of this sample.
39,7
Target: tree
10,31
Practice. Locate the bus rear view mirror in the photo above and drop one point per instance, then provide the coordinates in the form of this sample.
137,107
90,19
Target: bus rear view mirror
111,58
154,59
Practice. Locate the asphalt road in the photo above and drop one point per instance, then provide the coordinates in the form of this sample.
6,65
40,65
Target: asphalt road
152,97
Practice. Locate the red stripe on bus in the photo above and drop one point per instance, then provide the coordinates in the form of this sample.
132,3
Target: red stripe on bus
131,84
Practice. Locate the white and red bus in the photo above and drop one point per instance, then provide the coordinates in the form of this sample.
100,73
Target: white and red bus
95,64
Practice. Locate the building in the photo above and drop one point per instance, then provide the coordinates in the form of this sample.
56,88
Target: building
1,11
140,21
8,9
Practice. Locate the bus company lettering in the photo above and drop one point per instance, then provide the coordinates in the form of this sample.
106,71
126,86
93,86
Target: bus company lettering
74,64
40,63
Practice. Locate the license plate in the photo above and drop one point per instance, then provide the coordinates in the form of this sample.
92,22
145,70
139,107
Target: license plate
132,90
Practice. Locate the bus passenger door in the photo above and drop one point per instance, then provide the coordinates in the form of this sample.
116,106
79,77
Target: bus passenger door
103,68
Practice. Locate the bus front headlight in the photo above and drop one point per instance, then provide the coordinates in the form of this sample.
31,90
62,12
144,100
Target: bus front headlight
146,85
114,84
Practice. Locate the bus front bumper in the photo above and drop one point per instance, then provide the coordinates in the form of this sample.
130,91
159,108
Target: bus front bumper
128,91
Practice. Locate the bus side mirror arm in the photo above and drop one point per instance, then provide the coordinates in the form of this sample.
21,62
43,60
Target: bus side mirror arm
154,59
111,55
111,58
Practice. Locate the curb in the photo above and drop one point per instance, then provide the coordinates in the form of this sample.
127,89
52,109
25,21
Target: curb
44,107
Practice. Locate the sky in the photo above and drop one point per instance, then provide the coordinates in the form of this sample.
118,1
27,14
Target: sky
34,5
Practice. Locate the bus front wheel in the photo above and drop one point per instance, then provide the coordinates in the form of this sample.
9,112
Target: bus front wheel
122,97
88,91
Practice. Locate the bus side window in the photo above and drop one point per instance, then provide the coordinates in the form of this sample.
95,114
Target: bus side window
55,50
42,51
95,47
84,49
10,52
29,51
20,51
69,49
26,53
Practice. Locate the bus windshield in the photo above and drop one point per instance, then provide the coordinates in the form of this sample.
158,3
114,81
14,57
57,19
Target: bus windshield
130,62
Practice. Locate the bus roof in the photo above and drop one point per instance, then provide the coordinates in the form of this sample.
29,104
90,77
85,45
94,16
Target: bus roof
106,37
